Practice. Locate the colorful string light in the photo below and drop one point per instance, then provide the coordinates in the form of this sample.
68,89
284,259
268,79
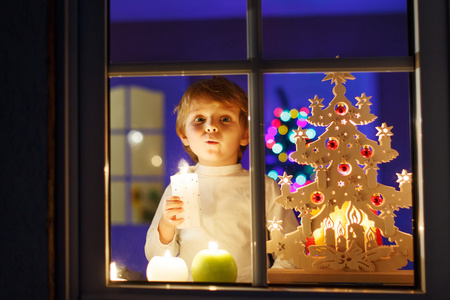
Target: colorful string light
280,144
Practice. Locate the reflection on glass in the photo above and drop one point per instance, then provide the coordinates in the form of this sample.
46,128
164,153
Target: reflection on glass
349,179
326,29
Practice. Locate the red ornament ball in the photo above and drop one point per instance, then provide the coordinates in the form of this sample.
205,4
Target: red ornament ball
377,199
332,144
366,151
317,197
341,109
345,169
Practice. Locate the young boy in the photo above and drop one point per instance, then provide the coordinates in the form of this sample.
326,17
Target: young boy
212,123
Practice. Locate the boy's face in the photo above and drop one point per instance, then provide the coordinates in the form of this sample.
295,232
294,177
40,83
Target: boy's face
214,133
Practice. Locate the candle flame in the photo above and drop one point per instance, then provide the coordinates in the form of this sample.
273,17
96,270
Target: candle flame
167,254
370,235
213,246
340,229
183,166
329,223
354,215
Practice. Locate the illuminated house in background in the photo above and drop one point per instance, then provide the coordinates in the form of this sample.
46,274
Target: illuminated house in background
345,207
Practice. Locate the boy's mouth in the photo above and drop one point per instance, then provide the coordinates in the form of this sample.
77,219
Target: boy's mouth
210,142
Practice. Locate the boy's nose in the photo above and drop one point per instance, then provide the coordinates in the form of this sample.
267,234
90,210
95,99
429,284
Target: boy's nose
210,127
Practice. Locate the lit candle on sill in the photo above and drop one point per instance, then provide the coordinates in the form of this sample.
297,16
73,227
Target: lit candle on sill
185,185
167,268
113,274
214,265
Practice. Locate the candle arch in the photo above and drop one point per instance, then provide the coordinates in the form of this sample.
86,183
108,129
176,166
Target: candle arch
345,193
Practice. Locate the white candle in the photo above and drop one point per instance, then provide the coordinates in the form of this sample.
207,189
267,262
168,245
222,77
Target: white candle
167,268
185,185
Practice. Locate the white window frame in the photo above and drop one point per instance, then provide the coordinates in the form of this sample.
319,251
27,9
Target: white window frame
82,227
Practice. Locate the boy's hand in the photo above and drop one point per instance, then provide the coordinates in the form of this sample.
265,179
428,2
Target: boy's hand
166,227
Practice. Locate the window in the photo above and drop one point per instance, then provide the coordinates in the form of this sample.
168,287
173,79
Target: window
298,31
85,191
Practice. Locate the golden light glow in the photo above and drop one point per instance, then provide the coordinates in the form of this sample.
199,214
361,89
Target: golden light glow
341,217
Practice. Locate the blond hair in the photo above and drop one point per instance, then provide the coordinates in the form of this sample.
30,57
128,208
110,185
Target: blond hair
219,90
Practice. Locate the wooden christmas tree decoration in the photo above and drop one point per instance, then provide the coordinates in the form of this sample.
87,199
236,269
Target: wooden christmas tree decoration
345,206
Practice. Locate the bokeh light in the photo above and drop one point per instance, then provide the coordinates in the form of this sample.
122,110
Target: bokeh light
283,129
277,112
302,122
304,112
135,137
273,174
311,133
156,161
277,148
272,131
292,138
275,123
285,116
294,113
270,143
282,157
289,156
300,179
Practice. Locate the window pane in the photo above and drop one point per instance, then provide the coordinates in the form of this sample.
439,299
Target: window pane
177,30
326,29
350,186
145,153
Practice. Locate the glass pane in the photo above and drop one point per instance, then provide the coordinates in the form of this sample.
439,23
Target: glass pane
326,29
177,30
145,154
342,156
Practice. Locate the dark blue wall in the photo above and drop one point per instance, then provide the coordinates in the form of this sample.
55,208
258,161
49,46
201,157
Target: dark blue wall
24,164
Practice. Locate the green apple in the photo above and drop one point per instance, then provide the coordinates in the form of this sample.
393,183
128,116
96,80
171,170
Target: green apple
215,265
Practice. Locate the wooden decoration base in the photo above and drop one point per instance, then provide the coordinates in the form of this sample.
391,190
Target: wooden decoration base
299,276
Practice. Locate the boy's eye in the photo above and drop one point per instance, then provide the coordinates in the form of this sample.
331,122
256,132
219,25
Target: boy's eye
199,119
225,119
